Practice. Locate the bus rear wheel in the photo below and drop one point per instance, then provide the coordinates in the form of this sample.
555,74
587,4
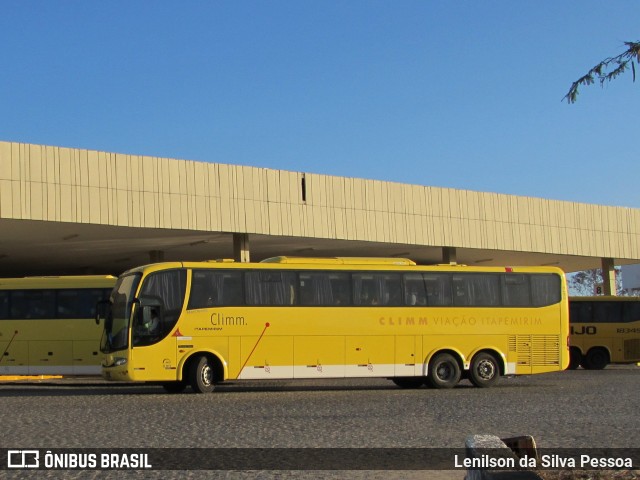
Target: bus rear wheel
575,358
444,371
484,370
596,359
201,376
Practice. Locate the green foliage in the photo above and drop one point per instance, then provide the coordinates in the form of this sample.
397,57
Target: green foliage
584,283
607,70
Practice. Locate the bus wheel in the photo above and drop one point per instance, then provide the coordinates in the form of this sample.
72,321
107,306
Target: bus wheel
596,359
575,358
174,387
444,371
484,370
201,375
408,382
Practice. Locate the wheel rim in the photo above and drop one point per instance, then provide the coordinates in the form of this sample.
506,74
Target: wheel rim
486,369
206,375
444,371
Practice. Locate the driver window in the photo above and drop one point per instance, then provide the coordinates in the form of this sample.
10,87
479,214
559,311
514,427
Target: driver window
168,288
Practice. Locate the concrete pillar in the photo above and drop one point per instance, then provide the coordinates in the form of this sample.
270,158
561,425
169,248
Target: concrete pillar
608,277
449,255
156,256
241,247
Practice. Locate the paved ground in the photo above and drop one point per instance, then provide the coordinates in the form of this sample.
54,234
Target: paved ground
575,409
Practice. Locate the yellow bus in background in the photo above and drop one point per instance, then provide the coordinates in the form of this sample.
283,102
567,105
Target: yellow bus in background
47,324
197,324
604,330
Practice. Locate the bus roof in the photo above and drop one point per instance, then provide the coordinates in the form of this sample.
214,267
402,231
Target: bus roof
603,298
337,263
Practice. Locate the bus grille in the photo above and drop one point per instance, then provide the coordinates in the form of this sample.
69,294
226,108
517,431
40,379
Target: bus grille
535,350
632,349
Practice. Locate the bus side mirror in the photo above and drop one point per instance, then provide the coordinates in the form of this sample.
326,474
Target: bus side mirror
102,310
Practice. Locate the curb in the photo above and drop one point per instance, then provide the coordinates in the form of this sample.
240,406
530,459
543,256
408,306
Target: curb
20,378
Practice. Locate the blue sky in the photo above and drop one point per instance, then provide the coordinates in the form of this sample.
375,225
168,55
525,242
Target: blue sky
459,94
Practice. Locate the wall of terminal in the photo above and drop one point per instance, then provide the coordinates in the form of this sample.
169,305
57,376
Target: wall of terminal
72,185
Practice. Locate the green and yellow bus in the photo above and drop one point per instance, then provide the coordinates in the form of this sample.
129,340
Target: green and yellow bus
197,324
47,324
604,330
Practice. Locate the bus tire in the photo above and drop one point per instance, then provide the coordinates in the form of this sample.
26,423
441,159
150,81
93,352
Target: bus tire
484,370
596,359
444,371
408,382
575,358
201,376
174,387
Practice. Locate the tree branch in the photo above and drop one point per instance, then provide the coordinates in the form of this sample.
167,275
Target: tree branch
607,70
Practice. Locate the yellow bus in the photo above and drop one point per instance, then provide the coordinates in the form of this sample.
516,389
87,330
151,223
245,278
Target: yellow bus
604,330
197,324
47,324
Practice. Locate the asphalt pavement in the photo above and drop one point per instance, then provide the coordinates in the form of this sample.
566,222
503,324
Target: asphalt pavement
571,409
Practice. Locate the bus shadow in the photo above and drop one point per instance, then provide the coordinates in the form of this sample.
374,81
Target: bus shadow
47,390
59,390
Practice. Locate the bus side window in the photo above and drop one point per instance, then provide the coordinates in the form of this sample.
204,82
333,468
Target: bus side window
270,288
377,289
580,312
4,305
473,289
368,295
414,289
364,290
631,311
438,289
607,312
460,295
36,304
545,289
315,289
202,291
392,290
516,290
323,288
340,288
232,289
78,303
211,288
306,288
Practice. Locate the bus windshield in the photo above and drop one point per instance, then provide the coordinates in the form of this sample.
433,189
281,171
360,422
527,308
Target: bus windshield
116,326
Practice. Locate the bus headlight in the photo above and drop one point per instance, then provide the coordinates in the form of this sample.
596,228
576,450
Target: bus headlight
111,361
118,361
